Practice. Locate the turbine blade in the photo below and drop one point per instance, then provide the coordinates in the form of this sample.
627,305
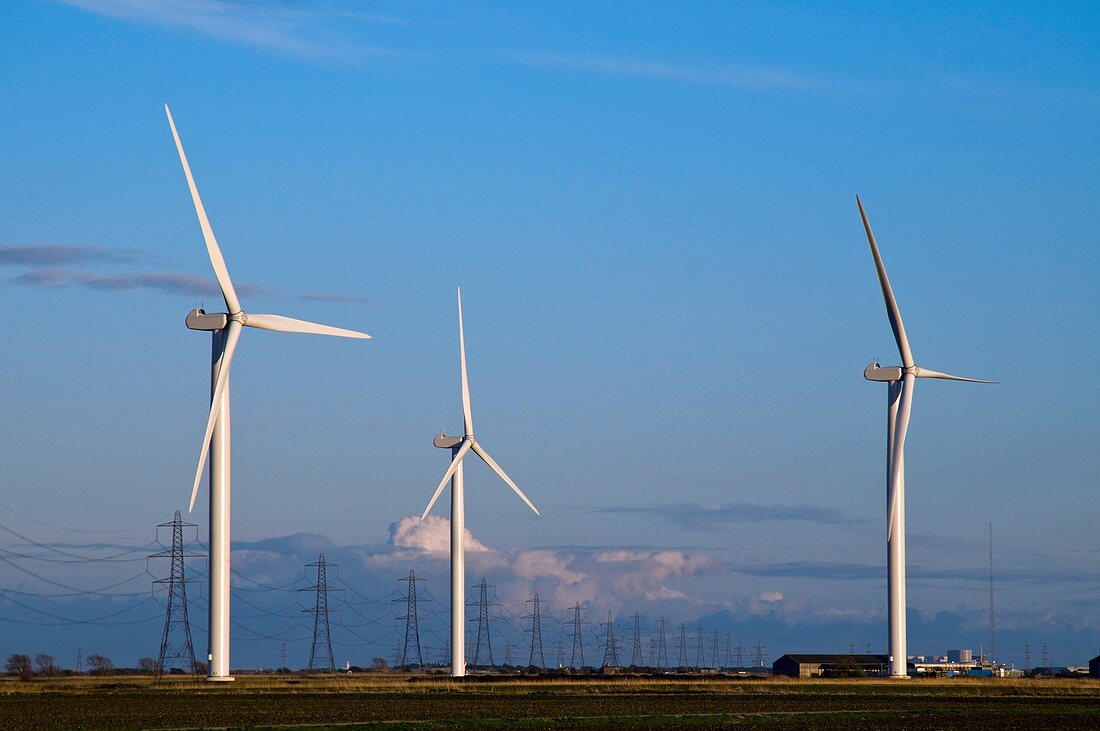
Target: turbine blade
500,473
897,459
446,476
927,373
212,248
467,417
232,335
892,310
278,323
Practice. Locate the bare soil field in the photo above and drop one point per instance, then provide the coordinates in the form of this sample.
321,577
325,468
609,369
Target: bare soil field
401,702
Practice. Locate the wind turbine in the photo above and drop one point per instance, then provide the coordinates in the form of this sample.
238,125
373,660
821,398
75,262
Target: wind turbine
459,449
226,330
901,380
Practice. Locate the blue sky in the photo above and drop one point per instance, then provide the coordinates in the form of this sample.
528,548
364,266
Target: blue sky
669,299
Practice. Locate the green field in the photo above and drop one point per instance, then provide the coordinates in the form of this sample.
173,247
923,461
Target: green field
621,703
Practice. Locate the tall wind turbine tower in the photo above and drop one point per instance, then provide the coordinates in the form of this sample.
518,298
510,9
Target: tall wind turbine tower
901,380
226,330
459,449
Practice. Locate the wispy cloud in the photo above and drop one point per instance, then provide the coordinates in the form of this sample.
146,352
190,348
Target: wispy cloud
59,266
61,254
171,282
715,516
815,570
829,571
754,78
295,29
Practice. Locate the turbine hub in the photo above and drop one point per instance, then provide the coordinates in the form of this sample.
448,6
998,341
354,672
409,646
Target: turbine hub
240,317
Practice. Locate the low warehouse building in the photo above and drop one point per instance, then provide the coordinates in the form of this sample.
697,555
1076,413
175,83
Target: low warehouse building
830,666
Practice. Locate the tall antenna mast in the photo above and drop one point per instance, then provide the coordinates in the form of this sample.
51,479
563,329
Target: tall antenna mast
992,624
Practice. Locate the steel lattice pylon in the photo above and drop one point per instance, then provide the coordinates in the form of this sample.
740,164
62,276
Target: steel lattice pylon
611,645
637,657
536,631
175,640
483,624
320,654
578,644
681,647
412,623
661,660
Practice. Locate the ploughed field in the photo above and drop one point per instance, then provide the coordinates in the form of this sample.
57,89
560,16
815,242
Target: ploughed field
620,702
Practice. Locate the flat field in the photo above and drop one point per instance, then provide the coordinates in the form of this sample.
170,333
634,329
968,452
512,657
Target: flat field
392,702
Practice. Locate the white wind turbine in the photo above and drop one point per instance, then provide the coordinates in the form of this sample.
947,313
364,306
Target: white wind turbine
459,448
901,380
226,330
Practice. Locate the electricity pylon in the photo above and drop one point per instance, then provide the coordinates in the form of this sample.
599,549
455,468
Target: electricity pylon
610,647
536,631
483,624
412,623
175,641
578,641
637,657
320,654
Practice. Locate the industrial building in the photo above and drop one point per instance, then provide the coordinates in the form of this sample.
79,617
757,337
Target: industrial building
830,666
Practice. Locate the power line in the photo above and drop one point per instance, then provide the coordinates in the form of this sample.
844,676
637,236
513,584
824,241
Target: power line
77,530
73,590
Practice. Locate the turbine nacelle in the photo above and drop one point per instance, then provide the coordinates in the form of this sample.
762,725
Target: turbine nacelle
199,319
445,442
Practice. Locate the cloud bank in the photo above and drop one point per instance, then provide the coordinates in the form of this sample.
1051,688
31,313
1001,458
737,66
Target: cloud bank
716,516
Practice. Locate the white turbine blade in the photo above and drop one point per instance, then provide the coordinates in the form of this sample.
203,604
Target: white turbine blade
897,459
232,335
892,310
496,468
926,373
466,415
278,323
447,476
212,248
